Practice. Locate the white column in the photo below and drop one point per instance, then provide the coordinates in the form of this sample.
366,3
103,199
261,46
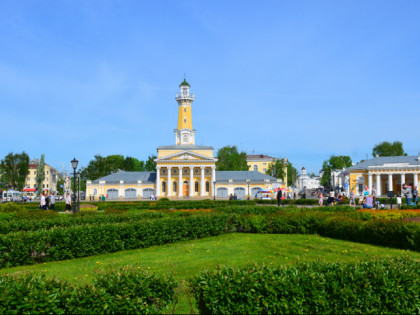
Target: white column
158,181
390,185
416,179
213,179
402,179
191,181
180,181
378,185
370,182
202,181
139,189
169,186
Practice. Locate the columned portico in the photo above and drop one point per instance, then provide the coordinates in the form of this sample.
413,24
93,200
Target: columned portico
402,179
378,185
191,192
416,179
169,189
390,184
202,181
180,181
158,181
370,182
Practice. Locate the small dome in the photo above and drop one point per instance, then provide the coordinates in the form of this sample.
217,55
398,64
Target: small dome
184,83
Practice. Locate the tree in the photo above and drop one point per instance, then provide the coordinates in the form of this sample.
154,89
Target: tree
40,173
388,149
60,189
131,164
150,165
229,159
291,174
276,169
14,170
335,162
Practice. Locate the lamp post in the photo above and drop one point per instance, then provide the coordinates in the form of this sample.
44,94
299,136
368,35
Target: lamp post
214,190
78,191
74,164
248,181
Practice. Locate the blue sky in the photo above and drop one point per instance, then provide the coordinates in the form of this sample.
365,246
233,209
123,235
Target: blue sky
296,79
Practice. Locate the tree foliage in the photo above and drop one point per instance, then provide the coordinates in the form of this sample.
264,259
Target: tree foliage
335,162
14,170
277,169
292,174
388,149
150,165
40,173
229,159
102,166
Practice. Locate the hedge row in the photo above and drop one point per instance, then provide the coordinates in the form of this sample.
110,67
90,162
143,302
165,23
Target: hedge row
382,286
49,220
24,248
392,233
126,291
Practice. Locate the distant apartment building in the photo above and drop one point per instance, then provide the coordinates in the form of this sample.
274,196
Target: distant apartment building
50,181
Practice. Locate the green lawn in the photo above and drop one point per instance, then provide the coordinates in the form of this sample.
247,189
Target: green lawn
186,259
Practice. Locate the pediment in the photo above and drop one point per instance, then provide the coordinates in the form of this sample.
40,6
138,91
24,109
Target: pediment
186,156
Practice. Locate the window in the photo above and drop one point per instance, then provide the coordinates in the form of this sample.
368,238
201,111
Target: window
185,138
164,187
174,187
196,187
185,171
264,170
43,185
207,187
47,185
29,179
185,120
207,171
255,167
185,109
35,172
264,163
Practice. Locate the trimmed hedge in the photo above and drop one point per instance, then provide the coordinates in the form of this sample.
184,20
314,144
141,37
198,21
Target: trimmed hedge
48,220
381,286
392,233
61,243
126,291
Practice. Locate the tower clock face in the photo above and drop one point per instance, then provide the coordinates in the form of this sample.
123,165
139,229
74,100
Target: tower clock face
174,171
207,171
185,172
164,172
196,171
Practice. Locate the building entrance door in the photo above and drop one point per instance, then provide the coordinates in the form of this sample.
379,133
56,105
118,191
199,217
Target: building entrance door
185,189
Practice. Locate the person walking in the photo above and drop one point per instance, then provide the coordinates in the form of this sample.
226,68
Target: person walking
52,201
352,201
42,204
407,192
47,201
68,202
415,196
279,197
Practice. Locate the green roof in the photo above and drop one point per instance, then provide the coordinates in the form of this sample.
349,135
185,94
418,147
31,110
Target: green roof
184,83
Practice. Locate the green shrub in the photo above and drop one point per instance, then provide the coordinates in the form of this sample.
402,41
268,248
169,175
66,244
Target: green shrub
126,291
60,243
381,286
10,207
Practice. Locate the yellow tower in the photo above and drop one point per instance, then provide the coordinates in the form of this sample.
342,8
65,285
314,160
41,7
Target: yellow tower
185,134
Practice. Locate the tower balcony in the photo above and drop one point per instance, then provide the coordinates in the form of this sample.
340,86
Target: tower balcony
180,97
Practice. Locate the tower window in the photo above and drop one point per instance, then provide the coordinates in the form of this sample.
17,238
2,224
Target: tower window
185,109
185,138
185,120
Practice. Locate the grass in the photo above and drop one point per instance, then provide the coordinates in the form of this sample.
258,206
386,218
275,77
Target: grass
185,259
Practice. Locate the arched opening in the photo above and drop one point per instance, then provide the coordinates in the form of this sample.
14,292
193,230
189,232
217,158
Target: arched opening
239,191
147,192
185,188
164,187
207,187
95,191
196,187
255,167
130,193
112,193
222,192
174,187
254,191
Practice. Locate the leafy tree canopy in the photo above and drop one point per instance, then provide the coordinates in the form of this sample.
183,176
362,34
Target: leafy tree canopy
40,174
388,149
14,170
229,159
277,169
335,162
150,165
291,174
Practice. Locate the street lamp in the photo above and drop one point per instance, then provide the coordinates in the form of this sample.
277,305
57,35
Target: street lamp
248,181
74,164
78,191
214,190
